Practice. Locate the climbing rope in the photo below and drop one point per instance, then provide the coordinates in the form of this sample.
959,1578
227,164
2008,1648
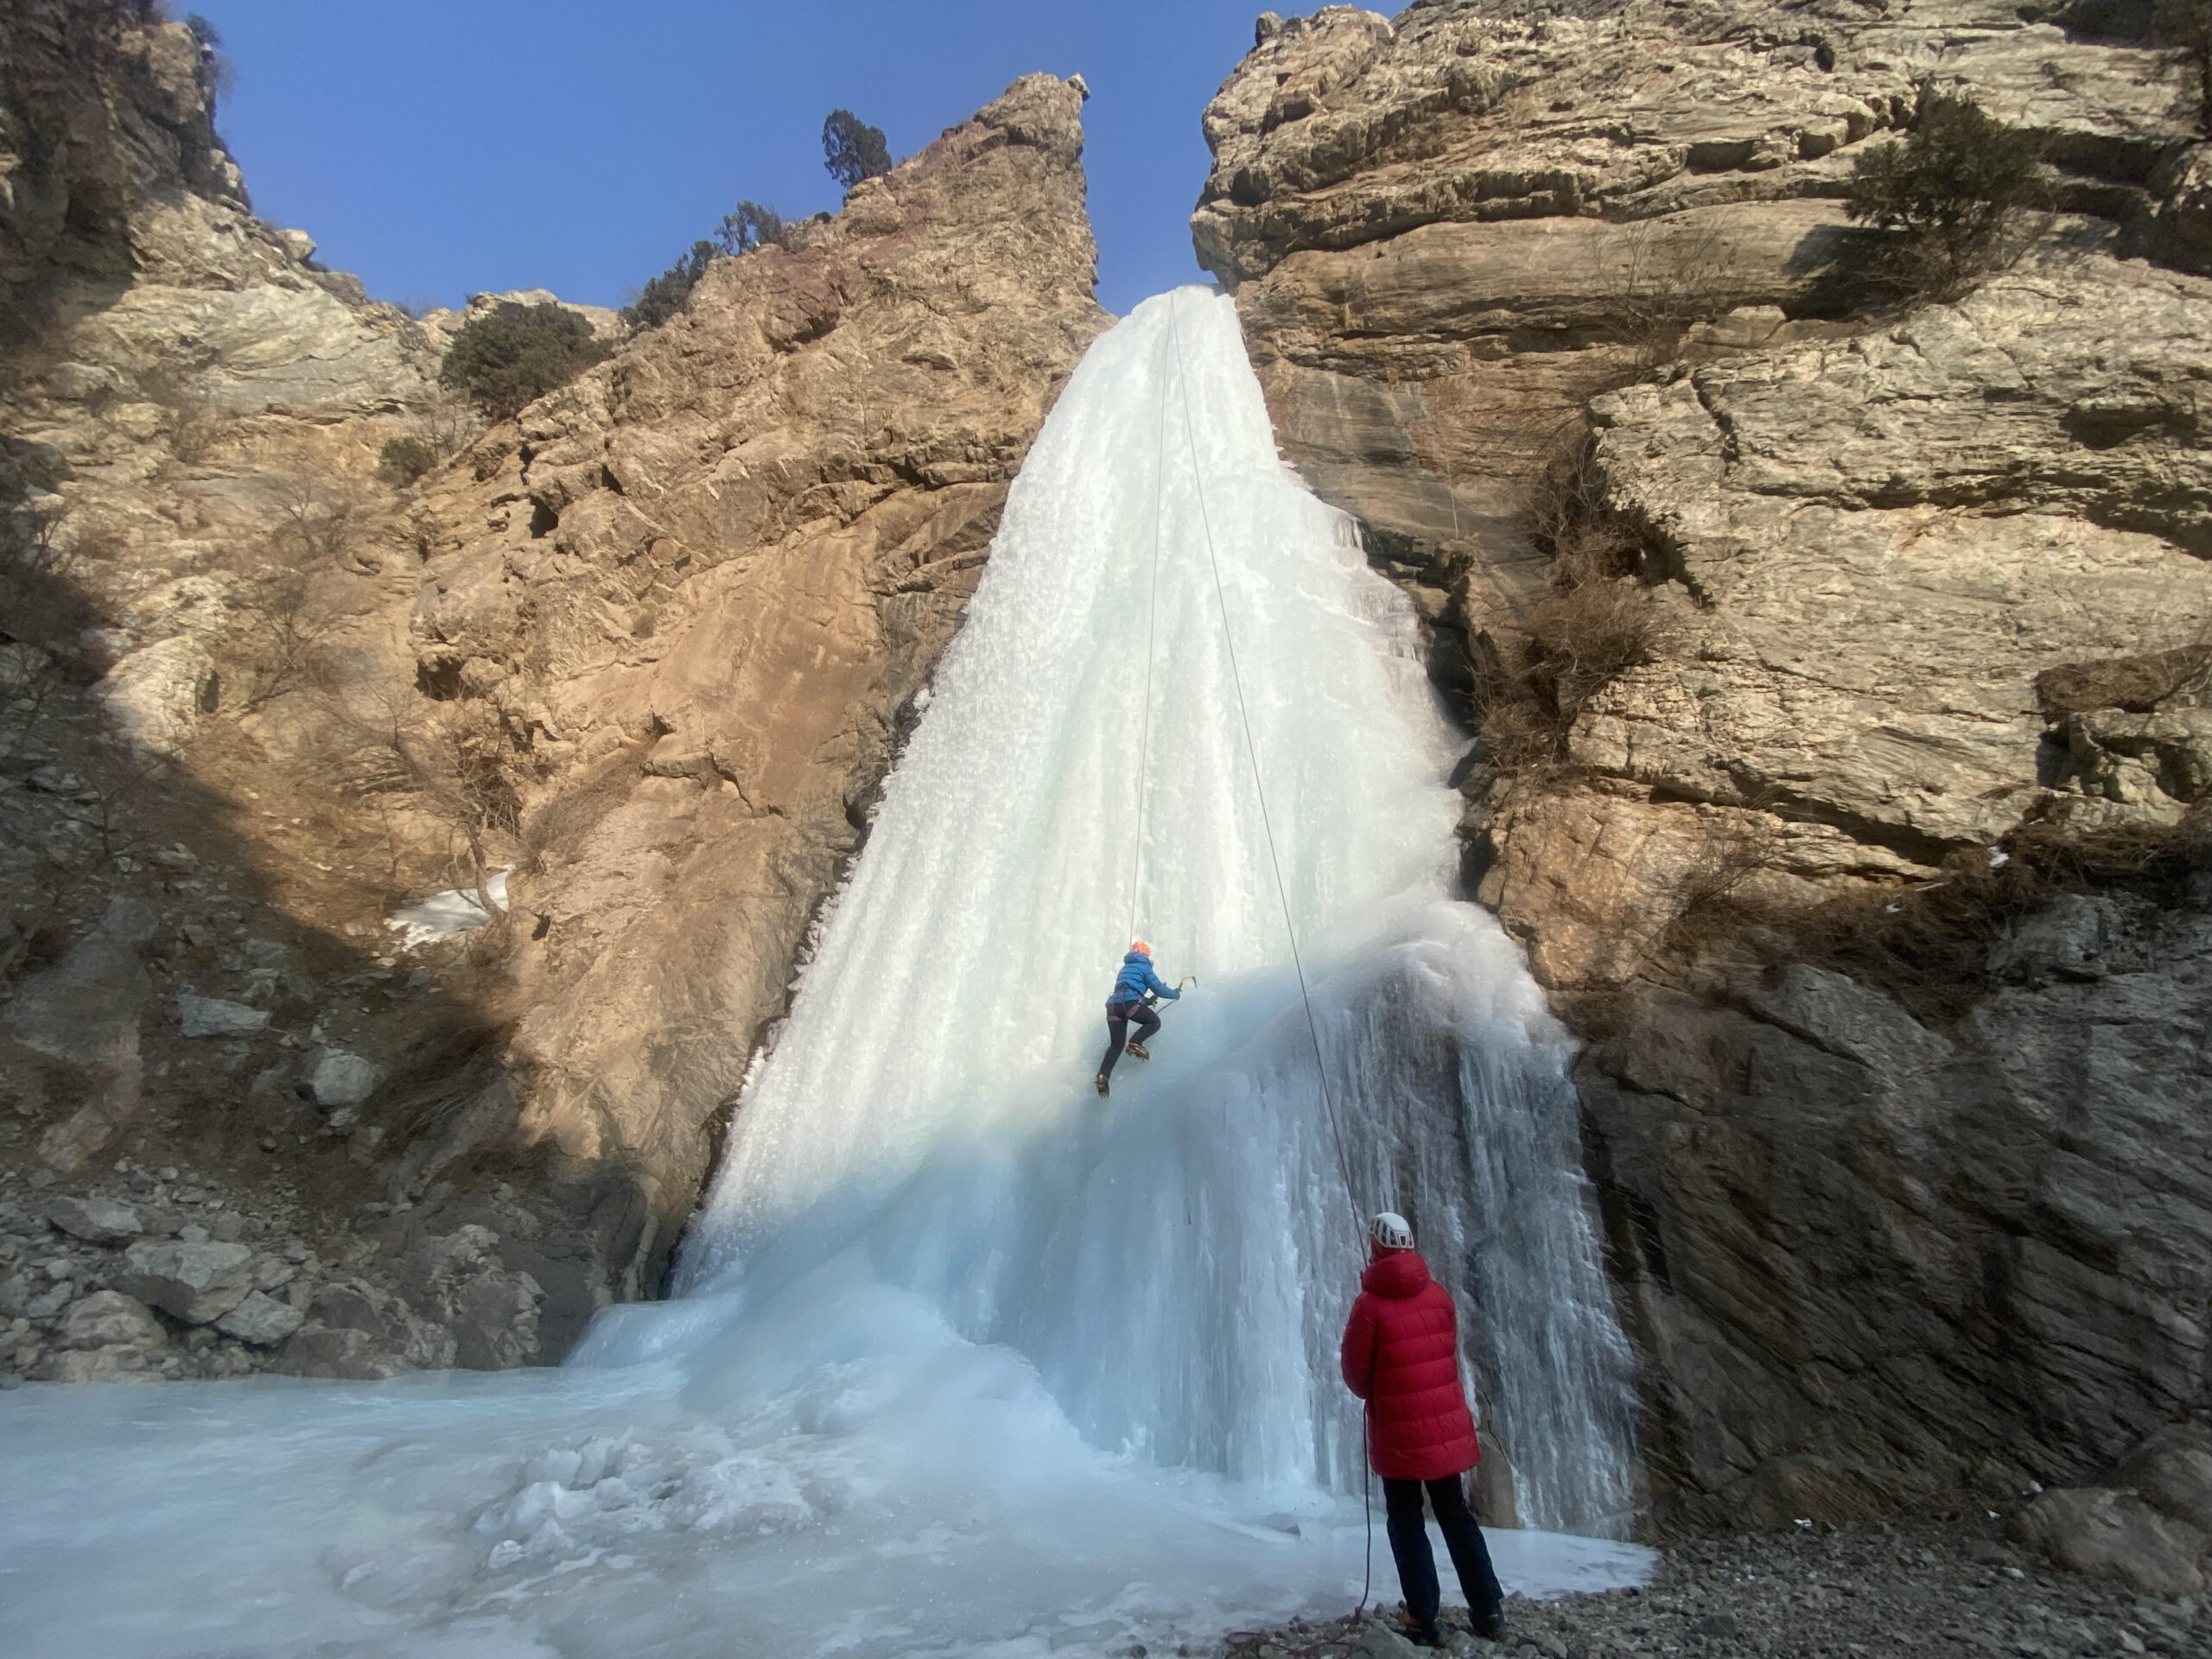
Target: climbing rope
1252,754
1151,634
1282,891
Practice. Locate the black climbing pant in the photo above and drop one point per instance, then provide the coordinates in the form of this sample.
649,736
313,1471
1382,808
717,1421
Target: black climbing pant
1118,1016
1417,1563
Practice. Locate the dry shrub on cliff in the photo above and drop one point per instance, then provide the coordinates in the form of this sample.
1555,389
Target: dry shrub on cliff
193,423
1596,623
40,604
453,761
1948,195
557,830
403,459
1733,849
1669,283
287,624
285,608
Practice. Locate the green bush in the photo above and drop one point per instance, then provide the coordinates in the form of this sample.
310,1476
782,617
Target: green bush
745,227
1946,194
662,297
853,149
748,225
514,354
2184,28
404,459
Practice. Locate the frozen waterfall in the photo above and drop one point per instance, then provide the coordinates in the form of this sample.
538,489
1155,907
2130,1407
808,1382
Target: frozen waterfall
966,1356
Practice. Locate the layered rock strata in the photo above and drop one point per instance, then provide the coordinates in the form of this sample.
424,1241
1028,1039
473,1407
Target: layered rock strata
1908,583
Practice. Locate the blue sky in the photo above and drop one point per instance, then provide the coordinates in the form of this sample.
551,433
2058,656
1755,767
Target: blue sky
438,148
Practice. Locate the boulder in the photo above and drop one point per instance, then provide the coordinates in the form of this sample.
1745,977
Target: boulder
261,1320
354,1329
109,1318
211,1016
84,1012
333,1078
340,1352
197,1283
2172,1471
97,1221
460,1282
2104,1533
122,1364
1378,1640
78,1011
155,696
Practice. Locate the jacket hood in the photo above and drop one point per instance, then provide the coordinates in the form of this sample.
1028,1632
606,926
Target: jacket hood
1137,956
1396,1274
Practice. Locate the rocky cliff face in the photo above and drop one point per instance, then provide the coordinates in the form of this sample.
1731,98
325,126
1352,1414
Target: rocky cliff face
1862,850
652,646
700,591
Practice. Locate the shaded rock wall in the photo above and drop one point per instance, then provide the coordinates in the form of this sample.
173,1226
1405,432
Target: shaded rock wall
652,646
1910,583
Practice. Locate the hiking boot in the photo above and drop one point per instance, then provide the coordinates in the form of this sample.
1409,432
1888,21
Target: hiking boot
1422,1632
1137,1049
1488,1624
1102,1083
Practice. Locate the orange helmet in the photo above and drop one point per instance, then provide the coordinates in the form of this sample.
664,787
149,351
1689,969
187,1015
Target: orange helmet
1140,947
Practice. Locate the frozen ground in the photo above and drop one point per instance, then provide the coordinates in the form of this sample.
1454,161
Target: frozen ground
611,1514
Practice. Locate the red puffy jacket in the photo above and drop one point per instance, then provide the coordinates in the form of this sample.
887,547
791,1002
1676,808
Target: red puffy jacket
1402,1356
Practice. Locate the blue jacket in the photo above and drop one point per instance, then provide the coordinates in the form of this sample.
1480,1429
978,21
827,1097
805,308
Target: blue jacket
1136,978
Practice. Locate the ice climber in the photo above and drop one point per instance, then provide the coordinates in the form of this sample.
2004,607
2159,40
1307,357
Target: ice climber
1131,986
1401,1356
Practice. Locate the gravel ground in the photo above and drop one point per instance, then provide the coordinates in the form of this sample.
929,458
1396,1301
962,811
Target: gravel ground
1811,1594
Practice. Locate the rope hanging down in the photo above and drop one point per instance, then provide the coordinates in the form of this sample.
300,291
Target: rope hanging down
1151,633
1274,861
1252,754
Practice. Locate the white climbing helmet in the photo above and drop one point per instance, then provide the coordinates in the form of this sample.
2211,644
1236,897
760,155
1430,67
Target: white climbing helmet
1391,1231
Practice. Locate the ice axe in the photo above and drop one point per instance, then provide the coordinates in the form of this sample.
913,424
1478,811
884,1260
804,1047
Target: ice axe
1152,1001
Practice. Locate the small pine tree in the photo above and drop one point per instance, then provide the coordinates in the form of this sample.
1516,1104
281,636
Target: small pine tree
2184,28
514,354
221,72
853,149
662,297
1946,194
748,225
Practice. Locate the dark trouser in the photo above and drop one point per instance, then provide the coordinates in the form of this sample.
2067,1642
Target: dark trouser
1417,1563
1118,1015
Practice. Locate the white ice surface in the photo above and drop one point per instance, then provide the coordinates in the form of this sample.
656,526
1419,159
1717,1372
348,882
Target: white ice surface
939,1503
969,1361
447,915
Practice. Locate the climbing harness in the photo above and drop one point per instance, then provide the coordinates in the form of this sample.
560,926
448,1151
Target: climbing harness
1274,860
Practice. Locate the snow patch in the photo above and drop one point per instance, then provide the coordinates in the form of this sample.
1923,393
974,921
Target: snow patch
448,915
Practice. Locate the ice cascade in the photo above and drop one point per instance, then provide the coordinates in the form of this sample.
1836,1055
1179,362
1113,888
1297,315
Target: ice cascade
966,1358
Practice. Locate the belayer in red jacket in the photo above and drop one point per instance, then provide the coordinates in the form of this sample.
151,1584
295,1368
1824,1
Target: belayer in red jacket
1402,1356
